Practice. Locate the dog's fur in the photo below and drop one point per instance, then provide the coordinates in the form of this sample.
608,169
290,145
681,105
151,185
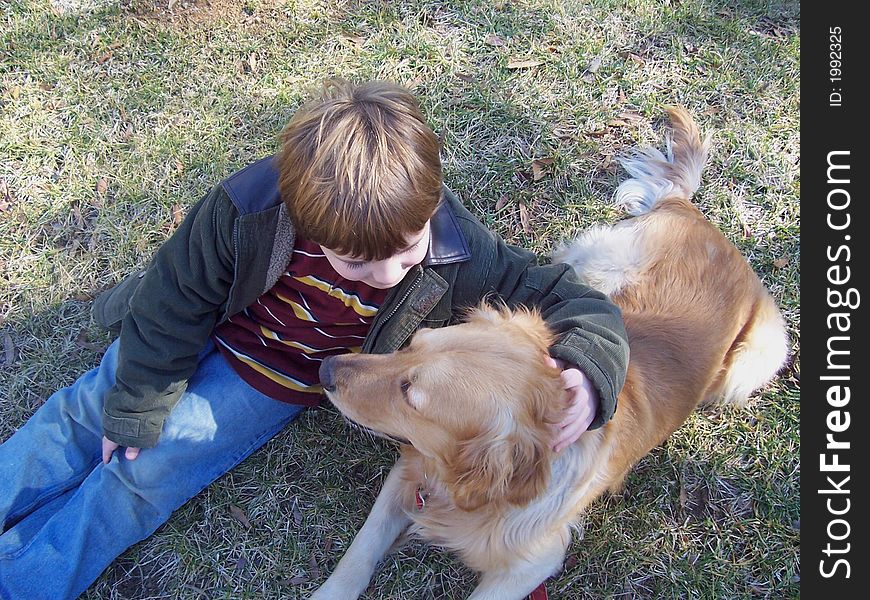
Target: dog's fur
474,404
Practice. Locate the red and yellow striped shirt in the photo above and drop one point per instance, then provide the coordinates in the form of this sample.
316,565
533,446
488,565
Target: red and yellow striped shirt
277,344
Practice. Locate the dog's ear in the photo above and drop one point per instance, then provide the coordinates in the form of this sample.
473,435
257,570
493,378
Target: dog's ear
531,468
487,468
479,470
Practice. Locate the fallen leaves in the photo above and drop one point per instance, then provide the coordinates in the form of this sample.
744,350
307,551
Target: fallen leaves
109,53
541,167
524,64
5,196
83,341
494,40
525,220
355,40
8,350
627,119
177,215
240,516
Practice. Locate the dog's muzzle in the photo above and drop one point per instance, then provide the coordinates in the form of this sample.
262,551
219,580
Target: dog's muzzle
327,374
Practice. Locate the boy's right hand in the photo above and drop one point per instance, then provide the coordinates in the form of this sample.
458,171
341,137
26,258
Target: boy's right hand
109,446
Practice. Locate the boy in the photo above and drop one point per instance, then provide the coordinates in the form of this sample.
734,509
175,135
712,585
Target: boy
345,241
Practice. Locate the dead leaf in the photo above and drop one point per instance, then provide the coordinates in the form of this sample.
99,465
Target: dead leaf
8,350
252,61
77,216
494,40
540,167
500,204
298,580
179,166
241,563
594,65
465,77
104,57
297,514
636,58
780,263
102,186
313,568
5,196
632,116
177,214
523,64
240,516
524,219
82,341
356,40
15,92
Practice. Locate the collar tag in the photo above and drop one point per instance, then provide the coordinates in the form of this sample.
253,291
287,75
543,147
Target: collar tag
420,497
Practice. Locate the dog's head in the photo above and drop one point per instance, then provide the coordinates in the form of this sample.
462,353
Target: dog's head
478,398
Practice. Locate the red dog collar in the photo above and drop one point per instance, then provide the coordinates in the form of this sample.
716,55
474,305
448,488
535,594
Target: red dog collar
539,593
420,498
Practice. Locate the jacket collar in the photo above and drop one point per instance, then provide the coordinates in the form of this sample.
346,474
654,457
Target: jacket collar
447,243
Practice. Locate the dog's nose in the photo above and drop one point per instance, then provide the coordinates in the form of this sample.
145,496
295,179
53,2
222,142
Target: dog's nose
327,379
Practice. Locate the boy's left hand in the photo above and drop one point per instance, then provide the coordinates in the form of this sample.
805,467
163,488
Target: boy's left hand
582,407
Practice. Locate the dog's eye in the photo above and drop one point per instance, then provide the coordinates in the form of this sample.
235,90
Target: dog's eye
405,385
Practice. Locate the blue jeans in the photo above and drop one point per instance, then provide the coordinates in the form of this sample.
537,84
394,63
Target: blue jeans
66,516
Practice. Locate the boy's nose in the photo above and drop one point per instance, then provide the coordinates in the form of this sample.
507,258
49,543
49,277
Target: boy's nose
388,272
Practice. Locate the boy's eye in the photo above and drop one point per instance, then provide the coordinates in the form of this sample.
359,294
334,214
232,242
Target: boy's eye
354,265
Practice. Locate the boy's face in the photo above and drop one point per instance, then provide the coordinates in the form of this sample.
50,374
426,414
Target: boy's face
382,274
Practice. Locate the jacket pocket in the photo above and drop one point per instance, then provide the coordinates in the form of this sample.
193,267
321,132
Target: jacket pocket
112,306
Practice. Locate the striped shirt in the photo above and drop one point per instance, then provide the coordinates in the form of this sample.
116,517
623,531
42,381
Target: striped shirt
277,343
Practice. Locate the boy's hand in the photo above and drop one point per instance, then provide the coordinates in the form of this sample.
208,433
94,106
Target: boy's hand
109,446
582,407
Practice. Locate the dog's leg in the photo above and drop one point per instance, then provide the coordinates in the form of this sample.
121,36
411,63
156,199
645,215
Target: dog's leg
383,526
520,578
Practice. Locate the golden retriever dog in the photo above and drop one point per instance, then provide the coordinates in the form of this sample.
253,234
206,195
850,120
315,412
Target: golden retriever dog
472,405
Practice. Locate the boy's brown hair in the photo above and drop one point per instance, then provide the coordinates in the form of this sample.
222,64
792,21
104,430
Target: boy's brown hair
360,170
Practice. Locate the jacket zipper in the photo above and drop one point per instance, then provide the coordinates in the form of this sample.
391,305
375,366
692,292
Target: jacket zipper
411,288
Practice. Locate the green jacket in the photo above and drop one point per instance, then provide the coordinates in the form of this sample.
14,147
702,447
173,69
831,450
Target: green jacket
237,241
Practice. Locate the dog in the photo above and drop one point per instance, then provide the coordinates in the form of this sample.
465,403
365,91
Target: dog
472,405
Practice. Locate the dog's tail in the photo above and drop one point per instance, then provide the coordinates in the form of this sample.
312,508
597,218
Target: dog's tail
656,176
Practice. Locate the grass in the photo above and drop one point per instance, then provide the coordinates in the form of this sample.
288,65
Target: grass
117,116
